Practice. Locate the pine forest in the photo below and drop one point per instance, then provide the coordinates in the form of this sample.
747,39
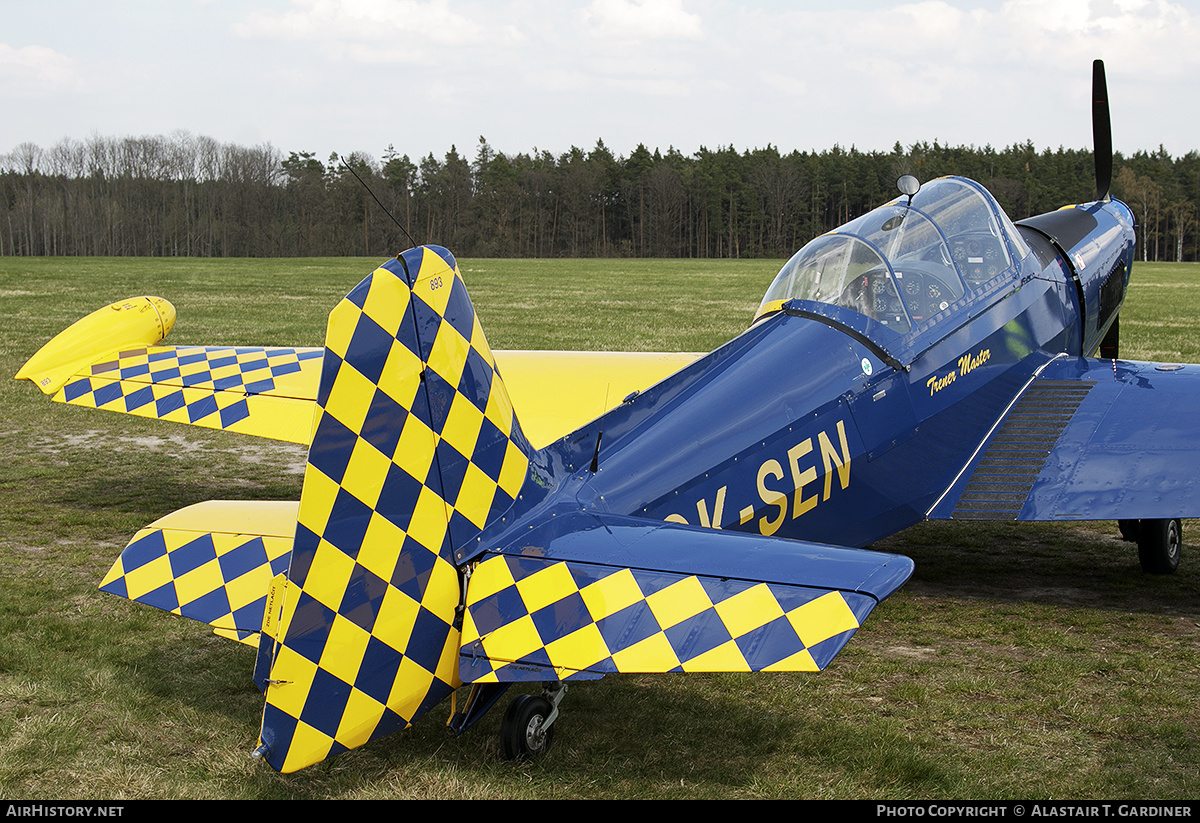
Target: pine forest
192,196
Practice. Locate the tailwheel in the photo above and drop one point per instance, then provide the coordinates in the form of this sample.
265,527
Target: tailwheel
1160,542
528,726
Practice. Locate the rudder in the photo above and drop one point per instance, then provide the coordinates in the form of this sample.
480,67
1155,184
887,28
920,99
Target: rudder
415,448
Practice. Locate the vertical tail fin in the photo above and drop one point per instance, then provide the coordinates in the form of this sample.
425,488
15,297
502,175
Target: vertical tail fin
415,448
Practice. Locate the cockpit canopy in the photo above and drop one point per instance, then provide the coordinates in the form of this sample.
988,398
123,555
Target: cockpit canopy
904,262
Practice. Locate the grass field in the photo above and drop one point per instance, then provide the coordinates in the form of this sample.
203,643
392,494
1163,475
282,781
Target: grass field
1019,662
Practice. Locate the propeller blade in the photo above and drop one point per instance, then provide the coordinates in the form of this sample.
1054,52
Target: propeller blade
1101,131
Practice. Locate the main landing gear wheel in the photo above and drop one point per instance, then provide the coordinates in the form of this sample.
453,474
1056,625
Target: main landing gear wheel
528,726
1160,543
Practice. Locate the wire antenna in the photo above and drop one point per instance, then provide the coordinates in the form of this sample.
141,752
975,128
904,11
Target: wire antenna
377,200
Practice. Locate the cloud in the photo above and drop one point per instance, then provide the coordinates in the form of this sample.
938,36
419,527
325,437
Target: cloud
358,21
552,73
35,72
635,21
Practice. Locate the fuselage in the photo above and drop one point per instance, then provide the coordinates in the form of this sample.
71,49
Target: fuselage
838,420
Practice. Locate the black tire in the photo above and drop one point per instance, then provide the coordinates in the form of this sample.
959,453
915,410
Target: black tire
1129,530
1160,542
522,735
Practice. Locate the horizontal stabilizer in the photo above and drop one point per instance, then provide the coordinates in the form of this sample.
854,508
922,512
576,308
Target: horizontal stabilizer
1089,440
212,562
564,606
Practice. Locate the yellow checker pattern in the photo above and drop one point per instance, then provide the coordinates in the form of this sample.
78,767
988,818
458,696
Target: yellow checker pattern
530,619
217,577
415,448
265,392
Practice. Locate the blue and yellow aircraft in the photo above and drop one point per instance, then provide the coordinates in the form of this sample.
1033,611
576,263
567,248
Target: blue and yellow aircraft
465,522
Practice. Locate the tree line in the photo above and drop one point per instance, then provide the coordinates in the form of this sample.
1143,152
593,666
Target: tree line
188,195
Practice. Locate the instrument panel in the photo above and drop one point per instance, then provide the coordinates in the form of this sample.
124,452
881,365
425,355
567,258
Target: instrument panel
923,293
979,256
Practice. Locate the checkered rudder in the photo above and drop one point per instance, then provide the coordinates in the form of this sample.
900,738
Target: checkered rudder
415,448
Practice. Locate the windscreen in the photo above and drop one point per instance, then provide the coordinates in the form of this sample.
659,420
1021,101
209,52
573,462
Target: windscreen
843,270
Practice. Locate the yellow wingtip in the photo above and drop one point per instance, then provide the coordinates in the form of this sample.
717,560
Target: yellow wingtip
138,321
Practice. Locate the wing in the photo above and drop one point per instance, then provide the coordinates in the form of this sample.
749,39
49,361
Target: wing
109,360
555,393
1088,439
265,392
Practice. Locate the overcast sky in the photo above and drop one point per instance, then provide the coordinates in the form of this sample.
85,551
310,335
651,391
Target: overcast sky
360,75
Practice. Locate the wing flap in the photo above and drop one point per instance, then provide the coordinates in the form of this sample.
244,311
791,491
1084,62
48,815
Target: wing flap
563,606
1089,440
